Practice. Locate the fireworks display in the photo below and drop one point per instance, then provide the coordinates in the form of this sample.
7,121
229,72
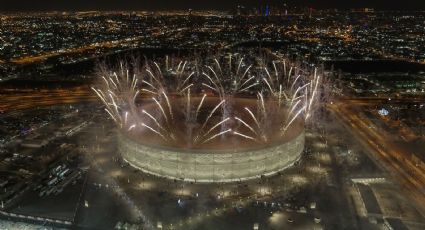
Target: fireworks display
227,97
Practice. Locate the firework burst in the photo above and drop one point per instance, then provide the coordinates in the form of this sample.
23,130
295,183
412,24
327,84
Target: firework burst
177,98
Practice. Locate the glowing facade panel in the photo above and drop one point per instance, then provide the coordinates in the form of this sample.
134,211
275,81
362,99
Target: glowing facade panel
203,166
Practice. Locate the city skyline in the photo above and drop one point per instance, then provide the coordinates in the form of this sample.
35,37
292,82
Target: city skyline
82,5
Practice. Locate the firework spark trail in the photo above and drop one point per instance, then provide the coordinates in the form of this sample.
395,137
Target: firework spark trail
133,87
186,88
106,81
213,82
162,109
154,120
275,71
100,96
210,87
230,62
212,112
253,117
112,116
104,100
246,125
199,106
120,93
312,97
268,85
185,80
246,71
289,75
292,109
263,107
229,74
133,81
216,135
113,83
249,79
286,96
157,67
218,66
184,64
112,93
149,84
125,117
135,95
293,83
293,119
169,105
153,130
299,89
244,136
178,67
118,82
214,73
239,66
153,77
149,91
121,67
280,95
296,98
188,107
131,127
215,126
113,103
246,88
268,75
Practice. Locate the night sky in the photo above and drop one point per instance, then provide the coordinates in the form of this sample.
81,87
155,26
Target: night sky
37,5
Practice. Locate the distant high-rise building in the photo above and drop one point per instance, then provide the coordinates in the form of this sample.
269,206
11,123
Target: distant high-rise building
285,8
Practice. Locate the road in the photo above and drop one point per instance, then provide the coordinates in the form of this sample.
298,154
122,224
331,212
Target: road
391,157
26,99
76,50
358,101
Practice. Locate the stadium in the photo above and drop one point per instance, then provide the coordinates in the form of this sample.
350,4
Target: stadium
226,159
230,118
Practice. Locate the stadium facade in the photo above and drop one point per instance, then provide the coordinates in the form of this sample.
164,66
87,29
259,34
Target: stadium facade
199,165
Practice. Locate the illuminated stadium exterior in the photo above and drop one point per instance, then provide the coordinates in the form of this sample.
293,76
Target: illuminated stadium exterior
219,161
202,124
211,166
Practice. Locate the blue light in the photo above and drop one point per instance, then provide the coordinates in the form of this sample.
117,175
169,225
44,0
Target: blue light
383,112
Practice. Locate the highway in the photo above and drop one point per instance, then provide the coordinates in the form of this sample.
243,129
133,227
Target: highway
26,99
76,50
358,101
391,157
